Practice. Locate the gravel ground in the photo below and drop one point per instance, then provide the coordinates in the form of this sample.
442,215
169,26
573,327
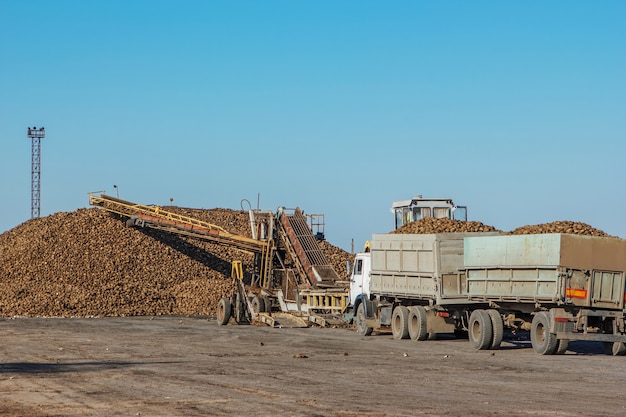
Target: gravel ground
188,366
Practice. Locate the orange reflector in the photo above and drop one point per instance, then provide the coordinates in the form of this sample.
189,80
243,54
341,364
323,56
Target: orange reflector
575,293
443,314
561,319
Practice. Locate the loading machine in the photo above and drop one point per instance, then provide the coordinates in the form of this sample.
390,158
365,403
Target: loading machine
305,291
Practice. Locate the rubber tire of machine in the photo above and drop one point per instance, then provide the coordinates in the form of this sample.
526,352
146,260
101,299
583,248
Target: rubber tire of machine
541,339
614,348
267,302
497,325
240,310
417,323
400,322
480,330
359,319
258,304
224,311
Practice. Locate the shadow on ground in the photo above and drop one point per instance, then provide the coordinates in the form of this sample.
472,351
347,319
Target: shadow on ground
45,368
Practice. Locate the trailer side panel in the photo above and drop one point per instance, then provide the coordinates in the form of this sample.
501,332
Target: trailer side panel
586,271
420,266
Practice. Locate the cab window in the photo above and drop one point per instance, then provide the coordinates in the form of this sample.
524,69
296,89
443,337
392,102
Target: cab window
421,213
442,212
398,218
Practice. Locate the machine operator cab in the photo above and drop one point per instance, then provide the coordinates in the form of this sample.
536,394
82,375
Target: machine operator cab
407,211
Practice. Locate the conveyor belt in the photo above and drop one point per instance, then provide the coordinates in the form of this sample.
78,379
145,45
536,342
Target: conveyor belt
305,251
157,218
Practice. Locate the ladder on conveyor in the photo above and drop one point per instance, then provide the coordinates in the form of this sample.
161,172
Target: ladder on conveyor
302,246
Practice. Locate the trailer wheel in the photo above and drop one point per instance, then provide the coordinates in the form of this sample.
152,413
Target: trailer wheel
498,328
541,339
224,311
614,348
417,323
361,327
258,304
400,322
480,330
561,347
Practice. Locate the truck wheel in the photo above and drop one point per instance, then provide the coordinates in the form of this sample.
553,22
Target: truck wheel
417,323
361,327
224,311
561,347
498,328
614,348
400,322
541,339
258,304
480,330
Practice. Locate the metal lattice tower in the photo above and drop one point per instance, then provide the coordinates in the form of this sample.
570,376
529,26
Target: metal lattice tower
36,135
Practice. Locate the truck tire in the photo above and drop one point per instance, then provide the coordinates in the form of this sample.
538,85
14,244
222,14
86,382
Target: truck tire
480,330
541,339
561,347
497,325
224,311
417,323
400,322
360,317
614,348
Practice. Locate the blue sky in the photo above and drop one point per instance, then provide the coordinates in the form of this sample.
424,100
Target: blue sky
515,109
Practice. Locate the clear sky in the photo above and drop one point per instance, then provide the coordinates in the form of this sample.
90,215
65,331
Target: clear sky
515,109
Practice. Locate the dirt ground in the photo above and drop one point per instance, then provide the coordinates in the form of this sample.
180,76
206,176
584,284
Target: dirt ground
182,366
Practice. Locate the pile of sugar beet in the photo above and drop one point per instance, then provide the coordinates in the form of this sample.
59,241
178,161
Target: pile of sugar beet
88,263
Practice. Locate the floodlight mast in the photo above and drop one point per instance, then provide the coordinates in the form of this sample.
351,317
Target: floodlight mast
36,135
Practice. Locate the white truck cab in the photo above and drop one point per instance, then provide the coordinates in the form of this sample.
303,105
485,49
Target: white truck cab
360,277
